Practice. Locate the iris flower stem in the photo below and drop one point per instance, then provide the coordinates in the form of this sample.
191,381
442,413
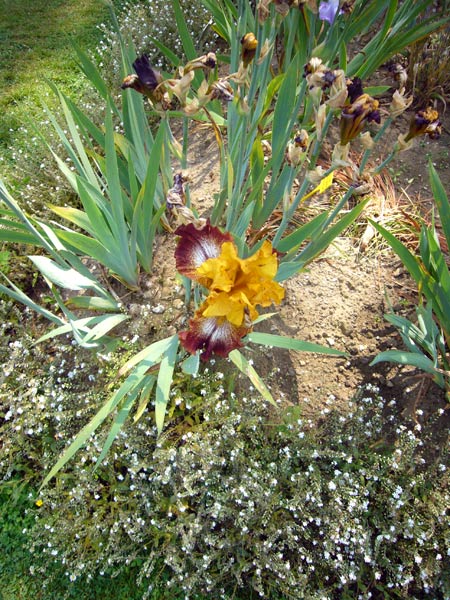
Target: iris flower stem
385,162
247,128
376,138
287,216
301,192
318,143
185,142
184,157
238,165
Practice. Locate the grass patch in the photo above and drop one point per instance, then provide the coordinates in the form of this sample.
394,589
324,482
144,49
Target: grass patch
35,45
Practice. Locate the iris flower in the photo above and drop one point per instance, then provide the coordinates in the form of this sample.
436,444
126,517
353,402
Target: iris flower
425,122
328,10
235,285
354,117
149,82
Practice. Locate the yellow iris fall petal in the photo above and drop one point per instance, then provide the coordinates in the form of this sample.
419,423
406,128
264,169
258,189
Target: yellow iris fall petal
226,306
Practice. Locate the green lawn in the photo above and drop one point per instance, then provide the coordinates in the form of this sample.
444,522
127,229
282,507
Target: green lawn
35,43
35,46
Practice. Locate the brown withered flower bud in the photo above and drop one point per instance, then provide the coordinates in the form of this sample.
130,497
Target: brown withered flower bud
347,7
354,117
263,10
249,44
207,61
425,122
282,6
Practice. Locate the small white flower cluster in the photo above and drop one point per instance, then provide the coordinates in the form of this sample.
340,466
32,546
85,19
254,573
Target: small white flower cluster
144,21
233,495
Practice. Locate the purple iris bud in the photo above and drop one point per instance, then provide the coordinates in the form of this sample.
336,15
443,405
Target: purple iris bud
328,10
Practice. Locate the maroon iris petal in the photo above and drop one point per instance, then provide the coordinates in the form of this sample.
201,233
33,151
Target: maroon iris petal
374,116
212,335
198,245
355,89
149,76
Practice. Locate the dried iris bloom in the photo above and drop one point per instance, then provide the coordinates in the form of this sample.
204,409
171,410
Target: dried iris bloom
221,90
283,6
354,89
400,74
367,141
320,115
207,61
263,10
301,140
347,7
353,117
249,43
399,103
313,71
311,4
337,92
333,81
296,150
176,195
181,87
147,74
316,175
217,90
339,156
149,81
